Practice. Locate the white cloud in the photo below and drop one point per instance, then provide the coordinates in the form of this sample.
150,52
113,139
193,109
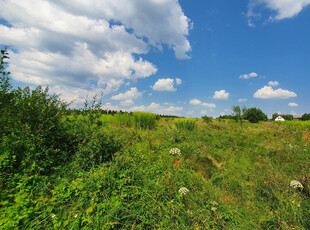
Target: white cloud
178,81
273,83
158,109
127,102
221,95
292,104
251,24
242,100
282,8
267,92
208,105
248,76
133,93
77,44
166,84
195,102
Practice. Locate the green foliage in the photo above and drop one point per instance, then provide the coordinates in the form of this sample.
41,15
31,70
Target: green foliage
305,117
125,119
287,117
33,138
239,113
143,120
255,115
206,119
185,124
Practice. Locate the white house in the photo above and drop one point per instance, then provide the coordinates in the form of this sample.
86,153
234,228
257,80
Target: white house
279,118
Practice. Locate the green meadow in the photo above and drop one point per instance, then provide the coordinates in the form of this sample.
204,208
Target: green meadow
86,169
63,169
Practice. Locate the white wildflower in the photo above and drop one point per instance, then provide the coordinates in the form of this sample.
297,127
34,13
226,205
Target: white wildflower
296,184
76,216
53,216
183,190
214,203
175,151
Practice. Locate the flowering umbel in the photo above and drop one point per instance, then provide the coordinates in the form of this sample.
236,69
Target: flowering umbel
183,190
175,151
296,184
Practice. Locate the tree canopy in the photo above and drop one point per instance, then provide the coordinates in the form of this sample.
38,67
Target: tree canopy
254,115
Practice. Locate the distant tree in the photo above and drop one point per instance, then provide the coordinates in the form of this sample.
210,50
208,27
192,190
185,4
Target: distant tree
206,119
255,115
305,117
274,116
227,117
239,113
287,117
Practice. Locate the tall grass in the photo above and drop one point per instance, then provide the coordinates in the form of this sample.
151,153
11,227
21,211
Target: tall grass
185,124
143,120
124,119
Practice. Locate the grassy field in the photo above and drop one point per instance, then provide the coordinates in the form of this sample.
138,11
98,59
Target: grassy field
122,174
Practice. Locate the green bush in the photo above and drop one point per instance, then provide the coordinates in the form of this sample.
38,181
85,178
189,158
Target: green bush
254,115
206,119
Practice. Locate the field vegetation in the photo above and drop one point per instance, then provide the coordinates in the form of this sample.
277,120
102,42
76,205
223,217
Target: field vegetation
65,169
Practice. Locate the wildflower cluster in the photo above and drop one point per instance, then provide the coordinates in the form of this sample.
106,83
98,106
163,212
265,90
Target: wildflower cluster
175,151
214,206
183,190
296,184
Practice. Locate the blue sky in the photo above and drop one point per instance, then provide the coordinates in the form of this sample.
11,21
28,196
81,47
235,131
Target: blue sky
187,58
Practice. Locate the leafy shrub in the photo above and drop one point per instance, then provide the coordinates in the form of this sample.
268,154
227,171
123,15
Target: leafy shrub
206,119
254,115
32,134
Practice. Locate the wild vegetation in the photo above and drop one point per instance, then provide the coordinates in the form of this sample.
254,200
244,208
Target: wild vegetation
86,169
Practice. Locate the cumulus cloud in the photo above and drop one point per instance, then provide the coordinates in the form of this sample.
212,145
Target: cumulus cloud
281,9
158,109
292,104
273,83
133,93
166,84
195,102
248,76
92,45
221,95
267,92
127,97
127,102
178,81
208,105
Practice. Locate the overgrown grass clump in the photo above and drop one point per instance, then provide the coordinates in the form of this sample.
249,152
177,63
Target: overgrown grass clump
185,124
144,120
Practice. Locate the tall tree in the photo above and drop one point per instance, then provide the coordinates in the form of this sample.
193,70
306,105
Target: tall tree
239,113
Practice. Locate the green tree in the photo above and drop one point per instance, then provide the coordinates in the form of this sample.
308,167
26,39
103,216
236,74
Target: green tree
305,117
254,115
239,113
